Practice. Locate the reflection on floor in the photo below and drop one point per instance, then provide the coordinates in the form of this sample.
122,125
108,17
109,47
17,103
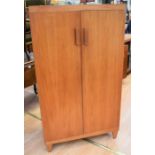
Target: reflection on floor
100,145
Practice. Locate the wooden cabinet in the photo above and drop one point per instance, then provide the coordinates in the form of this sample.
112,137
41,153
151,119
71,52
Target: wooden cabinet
79,63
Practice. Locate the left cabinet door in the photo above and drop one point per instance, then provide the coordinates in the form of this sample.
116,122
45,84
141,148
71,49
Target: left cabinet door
56,44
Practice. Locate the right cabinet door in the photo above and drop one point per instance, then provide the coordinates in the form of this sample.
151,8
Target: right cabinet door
102,66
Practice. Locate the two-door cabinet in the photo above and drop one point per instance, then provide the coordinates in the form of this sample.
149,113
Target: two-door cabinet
79,63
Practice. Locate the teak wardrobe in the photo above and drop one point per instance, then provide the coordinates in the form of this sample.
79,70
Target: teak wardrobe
79,63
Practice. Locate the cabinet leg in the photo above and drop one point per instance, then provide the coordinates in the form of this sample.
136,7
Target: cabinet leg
114,133
49,147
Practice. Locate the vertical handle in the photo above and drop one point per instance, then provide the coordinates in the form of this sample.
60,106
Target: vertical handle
85,37
77,36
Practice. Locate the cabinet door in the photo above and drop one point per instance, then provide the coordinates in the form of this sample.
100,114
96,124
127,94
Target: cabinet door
58,69
102,62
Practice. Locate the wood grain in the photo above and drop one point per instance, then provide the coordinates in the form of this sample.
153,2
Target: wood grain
58,67
102,69
33,141
59,8
79,74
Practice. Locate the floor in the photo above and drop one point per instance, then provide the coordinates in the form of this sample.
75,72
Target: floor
100,145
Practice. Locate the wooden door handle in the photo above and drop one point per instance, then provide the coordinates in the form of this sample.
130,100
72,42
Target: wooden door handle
85,37
77,36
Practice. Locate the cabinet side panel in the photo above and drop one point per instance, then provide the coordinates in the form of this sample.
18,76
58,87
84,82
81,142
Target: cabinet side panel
57,61
102,68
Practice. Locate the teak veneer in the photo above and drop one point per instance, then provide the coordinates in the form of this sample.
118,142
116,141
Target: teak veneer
79,64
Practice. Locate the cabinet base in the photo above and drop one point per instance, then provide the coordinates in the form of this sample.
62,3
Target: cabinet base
114,133
49,144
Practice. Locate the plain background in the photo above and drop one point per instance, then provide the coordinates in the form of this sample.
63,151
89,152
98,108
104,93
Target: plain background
12,77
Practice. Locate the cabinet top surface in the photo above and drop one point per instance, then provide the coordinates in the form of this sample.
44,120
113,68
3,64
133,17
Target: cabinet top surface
43,8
